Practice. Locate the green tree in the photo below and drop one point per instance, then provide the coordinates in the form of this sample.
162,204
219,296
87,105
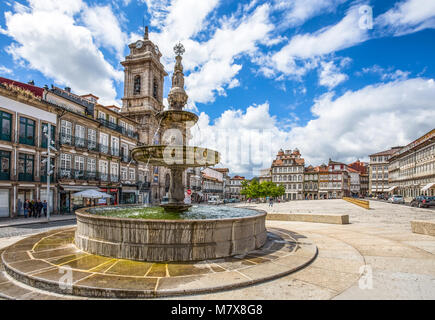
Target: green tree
265,189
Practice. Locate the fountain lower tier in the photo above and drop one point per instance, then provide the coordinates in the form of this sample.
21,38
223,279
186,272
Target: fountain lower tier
177,159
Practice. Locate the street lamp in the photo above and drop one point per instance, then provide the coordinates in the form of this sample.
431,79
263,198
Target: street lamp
50,167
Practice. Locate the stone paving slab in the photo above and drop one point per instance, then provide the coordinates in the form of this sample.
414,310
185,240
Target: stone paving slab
49,256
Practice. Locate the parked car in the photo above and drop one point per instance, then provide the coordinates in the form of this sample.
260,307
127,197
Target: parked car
214,200
396,199
423,202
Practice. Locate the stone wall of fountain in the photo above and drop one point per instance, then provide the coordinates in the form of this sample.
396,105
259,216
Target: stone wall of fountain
168,240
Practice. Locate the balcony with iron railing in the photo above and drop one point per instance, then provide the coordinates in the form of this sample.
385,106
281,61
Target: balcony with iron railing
28,177
114,178
104,148
118,128
5,176
114,152
73,174
103,177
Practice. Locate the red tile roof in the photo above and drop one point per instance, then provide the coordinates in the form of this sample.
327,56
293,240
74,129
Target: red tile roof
37,91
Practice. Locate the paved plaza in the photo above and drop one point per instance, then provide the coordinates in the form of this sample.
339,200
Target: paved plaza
376,256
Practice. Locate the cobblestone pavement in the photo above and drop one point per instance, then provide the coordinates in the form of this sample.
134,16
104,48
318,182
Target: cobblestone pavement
375,257
14,231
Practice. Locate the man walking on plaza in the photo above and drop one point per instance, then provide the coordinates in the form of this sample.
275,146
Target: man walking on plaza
44,206
39,208
31,205
270,202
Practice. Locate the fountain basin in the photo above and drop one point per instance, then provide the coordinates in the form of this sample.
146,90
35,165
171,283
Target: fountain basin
169,240
176,156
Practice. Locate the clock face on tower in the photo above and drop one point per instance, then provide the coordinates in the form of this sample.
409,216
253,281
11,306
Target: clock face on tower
139,44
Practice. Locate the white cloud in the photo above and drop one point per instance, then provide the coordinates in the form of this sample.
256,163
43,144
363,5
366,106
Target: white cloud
210,65
387,74
296,12
47,37
330,75
345,128
105,28
5,70
298,56
408,16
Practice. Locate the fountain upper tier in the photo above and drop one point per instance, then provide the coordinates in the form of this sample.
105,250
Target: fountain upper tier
170,117
176,156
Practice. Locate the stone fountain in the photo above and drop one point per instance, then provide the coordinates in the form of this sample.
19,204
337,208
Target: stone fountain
198,233
174,153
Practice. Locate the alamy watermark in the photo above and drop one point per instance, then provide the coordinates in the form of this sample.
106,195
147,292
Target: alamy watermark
366,17
66,281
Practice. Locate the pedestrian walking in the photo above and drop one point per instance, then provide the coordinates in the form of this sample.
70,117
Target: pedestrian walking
270,202
31,205
44,206
26,208
39,208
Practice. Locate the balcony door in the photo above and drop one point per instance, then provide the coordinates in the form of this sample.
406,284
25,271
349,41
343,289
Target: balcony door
80,136
66,132
79,167
5,163
26,165
65,166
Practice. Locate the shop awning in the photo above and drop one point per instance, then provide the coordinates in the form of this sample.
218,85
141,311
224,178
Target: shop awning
428,186
77,188
392,188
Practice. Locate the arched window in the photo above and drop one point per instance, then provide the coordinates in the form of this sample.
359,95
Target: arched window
155,89
137,85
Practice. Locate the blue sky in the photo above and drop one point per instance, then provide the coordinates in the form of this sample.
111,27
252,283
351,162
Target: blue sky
312,73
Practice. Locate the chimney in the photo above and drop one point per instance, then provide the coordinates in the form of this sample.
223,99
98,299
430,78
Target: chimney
68,89
31,82
146,33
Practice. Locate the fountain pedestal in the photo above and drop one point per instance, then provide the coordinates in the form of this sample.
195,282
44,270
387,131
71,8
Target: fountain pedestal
176,194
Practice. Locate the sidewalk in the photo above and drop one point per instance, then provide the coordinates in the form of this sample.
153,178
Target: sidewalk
21,221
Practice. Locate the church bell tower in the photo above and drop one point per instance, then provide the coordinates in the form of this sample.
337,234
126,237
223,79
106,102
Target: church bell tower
143,100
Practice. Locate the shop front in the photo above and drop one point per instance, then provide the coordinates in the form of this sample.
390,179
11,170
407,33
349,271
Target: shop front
129,195
114,192
68,203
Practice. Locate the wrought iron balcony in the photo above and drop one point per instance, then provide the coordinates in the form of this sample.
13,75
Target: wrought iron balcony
28,177
114,178
80,142
103,177
114,152
66,139
65,173
5,176
104,148
118,128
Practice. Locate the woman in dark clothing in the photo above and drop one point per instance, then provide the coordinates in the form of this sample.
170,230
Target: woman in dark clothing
31,205
39,208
